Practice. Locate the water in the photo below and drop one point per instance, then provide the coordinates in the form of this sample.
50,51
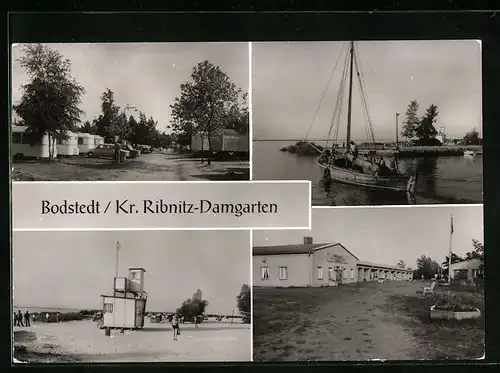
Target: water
443,179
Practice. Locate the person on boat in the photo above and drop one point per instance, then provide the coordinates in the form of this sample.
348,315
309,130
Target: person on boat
353,149
381,162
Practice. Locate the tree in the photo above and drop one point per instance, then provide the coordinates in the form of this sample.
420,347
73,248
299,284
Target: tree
472,138
426,267
243,302
477,253
401,264
411,122
50,101
425,130
454,259
193,307
238,118
111,123
87,127
204,102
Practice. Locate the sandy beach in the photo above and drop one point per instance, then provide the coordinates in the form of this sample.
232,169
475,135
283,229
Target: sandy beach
81,341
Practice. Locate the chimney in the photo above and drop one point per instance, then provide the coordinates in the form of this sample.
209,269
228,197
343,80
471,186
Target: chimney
308,240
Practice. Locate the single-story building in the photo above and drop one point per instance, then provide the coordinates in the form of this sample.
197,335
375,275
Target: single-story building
466,270
316,264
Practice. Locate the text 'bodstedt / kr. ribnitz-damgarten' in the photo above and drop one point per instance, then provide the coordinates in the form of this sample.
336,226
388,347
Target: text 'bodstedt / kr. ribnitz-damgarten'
158,206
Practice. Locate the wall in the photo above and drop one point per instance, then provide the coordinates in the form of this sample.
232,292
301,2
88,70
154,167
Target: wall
332,257
298,266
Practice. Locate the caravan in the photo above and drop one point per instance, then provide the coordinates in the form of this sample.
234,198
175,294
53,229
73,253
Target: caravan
88,142
23,147
68,146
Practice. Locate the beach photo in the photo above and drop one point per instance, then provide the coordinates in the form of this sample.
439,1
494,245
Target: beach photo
130,111
131,296
372,283
370,122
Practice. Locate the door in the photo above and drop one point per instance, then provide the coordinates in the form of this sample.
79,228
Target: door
331,277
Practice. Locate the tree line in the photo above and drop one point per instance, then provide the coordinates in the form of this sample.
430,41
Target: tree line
428,267
195,306
50,105
422,131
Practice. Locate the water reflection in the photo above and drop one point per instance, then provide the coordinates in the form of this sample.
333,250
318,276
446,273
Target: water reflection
426,170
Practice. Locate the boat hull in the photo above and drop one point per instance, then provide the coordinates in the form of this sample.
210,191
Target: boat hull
398,183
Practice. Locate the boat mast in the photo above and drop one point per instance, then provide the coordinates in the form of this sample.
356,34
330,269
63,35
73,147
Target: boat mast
350,97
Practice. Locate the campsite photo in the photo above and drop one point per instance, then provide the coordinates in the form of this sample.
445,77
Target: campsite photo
370,122
130,111
392,283
131,296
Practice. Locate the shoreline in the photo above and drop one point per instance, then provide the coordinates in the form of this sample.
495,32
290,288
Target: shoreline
404,151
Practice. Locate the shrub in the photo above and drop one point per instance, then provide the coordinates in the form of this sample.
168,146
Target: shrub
455,303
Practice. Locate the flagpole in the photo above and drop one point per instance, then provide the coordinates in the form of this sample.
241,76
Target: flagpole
449,255
116,267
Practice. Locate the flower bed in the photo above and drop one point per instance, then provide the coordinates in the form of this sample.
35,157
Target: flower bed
452,307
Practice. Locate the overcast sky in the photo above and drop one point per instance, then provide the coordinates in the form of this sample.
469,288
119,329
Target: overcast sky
72,269
145,75
288,81
387,235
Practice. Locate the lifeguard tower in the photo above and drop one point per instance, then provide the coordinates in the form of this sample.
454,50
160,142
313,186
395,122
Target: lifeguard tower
125,309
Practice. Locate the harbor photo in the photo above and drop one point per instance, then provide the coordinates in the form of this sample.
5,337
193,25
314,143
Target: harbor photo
130,112
370,122
393,283
131,296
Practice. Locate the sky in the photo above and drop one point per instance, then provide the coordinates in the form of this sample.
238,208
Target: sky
390,234
144,75
72,269
288,81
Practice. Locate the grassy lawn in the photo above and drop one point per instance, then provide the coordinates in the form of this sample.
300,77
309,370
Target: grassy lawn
358,322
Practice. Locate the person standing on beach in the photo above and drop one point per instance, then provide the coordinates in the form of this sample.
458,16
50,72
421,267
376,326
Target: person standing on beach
20,318
27,318
47,316
175,327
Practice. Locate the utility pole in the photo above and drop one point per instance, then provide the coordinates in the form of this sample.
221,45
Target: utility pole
397,131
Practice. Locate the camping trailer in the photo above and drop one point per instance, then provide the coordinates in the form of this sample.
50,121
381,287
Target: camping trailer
88,142
68,146
226,140
126,308
23,147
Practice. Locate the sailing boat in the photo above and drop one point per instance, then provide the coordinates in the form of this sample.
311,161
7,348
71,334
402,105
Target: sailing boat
344,165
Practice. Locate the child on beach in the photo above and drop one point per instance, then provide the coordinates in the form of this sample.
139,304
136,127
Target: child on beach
175,327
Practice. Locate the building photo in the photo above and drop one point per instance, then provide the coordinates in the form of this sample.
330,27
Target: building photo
371,283
131,296
132,113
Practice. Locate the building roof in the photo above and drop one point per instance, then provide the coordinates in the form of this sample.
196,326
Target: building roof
383,266
466,264
295,249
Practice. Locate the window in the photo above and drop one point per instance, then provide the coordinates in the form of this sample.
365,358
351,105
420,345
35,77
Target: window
352,274
283,273
330,274
108,307
58,141
319,271
80,141
264,273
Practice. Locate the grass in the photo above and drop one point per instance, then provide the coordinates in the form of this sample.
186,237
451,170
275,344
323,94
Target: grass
361,321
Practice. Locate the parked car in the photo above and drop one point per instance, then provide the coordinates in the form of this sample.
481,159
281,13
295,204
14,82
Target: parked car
145,149
134,153
105,151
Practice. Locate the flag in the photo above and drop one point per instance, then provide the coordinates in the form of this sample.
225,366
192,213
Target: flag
452,230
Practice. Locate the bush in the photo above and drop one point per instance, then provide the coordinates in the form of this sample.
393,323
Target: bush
455,303
427,142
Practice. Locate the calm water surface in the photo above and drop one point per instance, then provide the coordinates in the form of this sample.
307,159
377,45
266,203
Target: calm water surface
443,179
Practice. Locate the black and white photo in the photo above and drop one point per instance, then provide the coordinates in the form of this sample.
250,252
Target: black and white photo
131,296
130,111
372,283
370,122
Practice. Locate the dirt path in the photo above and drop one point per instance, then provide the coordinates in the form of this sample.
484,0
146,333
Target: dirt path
148,167
346,323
